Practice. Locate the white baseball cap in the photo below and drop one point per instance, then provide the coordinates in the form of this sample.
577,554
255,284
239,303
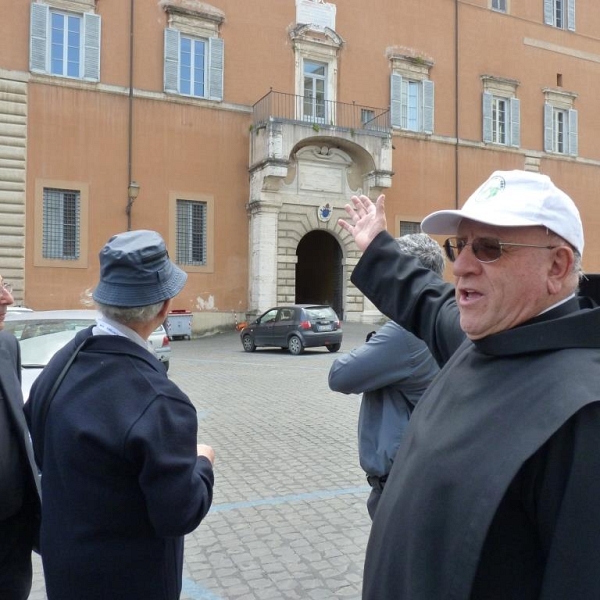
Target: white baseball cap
514,199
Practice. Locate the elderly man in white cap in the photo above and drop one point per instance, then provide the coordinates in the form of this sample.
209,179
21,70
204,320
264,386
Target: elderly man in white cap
123,478
493,494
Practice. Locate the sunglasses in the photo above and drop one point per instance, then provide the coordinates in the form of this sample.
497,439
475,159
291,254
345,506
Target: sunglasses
485,250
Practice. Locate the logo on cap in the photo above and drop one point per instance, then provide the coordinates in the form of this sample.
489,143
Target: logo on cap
491,188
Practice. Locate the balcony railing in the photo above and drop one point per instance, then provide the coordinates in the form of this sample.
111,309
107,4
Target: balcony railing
278,106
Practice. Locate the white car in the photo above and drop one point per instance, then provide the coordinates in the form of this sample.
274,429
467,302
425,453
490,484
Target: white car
43,333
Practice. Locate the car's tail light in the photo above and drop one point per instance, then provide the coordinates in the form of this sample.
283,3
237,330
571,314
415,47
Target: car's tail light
305,325
165,341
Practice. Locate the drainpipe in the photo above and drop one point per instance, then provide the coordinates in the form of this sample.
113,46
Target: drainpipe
456,95
130,124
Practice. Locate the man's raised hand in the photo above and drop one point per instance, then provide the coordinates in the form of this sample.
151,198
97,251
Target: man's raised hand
366,219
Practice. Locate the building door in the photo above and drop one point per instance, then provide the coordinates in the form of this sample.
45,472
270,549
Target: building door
319,273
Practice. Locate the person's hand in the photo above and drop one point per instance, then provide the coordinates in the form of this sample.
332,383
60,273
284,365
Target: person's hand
204,450
367,219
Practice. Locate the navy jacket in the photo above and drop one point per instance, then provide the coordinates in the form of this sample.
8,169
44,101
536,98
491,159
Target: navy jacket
121,480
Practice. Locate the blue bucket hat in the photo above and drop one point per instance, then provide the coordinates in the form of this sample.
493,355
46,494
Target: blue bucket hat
135,270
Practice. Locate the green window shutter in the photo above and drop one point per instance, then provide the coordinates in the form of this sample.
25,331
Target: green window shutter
396,100
515,122
38,47
571,15
549,12
573,133
548,128
428,105
487,117
91,47
171,74
215,68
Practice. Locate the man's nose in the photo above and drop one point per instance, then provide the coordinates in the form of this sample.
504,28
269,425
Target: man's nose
465,262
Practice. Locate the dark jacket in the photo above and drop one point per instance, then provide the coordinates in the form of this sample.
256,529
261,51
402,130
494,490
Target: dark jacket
392,370
493,492
10,391
121,480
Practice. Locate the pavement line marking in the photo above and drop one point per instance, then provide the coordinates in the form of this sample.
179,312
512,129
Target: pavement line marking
319,495
196,592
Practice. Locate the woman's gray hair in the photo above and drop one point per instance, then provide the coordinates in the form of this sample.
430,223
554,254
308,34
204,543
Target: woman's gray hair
426,249
121,314
135,314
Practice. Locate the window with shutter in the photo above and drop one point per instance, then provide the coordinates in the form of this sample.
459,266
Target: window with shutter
193,66
412,94
193,51
501,111
63,43
560,122
560,13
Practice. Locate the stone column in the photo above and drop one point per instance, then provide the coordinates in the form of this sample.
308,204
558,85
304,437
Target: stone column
262,285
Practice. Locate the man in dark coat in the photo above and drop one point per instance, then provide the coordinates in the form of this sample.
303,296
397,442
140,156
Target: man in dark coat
19,478
123,477
493,493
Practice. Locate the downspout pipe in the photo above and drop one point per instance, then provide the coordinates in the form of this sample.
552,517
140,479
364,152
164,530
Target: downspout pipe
456,112
130,119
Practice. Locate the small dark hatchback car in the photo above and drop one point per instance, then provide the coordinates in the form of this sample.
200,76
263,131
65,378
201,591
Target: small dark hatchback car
294,327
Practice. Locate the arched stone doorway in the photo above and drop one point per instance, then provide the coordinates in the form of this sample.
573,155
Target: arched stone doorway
319,271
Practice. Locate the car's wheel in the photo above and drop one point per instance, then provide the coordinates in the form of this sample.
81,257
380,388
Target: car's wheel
166,363
333,347
248,343
295,345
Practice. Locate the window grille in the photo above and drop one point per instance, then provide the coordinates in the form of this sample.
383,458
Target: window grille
61,229
191,232
409,227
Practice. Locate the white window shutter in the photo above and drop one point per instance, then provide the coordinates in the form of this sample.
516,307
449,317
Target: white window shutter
573,133
215,68
428,105
487,117
91,46
548,128
549,12
571,15
38,46
396,100
171,74
515,122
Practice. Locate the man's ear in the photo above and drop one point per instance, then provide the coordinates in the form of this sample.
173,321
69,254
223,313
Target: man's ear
561,269
164,311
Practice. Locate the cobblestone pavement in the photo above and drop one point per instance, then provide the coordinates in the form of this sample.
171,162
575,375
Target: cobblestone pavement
289,518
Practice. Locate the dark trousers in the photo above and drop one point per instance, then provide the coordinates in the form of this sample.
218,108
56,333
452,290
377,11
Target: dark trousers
16,541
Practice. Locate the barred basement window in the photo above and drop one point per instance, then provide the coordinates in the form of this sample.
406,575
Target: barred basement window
191,233
409,227
61,229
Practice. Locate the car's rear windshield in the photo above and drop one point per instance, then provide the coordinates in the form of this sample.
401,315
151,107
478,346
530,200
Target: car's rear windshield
321,312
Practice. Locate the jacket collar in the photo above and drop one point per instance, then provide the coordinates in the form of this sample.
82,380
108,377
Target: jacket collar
570,325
